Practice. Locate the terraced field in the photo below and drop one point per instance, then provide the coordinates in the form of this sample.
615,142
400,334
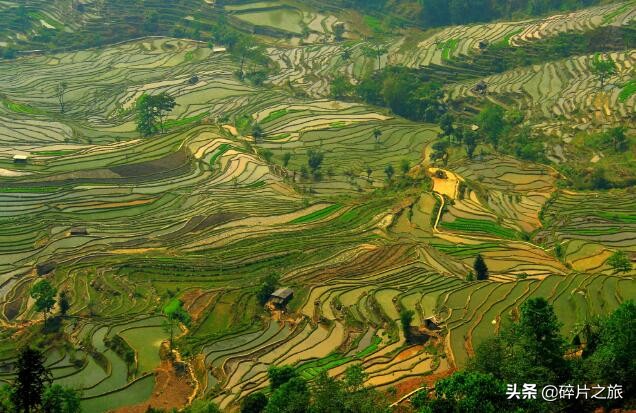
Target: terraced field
565,93
205,211
312,67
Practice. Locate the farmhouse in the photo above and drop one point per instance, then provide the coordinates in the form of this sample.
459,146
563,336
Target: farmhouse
281,296
20,159
481,87
79,231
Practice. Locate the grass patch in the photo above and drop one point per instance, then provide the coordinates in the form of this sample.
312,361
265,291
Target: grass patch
277,114
60,152
279,137
372,348
21,107
627,91
595,231
617,217
476,225
448,47
611,16
373,23
171,123
222,149
338,125
315,216
505,42
465,251
30,189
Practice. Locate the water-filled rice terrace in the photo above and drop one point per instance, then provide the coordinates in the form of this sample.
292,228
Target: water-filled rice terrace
200,214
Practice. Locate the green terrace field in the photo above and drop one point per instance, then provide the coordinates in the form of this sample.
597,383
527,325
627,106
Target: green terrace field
311,67
204,211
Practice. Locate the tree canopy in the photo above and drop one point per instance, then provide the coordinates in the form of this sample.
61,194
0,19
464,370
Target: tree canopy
44,295
152,111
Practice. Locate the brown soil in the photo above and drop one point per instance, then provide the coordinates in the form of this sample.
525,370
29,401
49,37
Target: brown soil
406,386
171,391
407,353
167,163
197,301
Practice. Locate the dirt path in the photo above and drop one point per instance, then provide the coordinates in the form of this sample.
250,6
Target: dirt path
172,390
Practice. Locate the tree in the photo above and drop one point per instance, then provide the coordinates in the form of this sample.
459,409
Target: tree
340,87
618,138
339,31
375,50
31,379
267,155
163,104
267,288
405,166
369,172
152,111
491,123
614,360
254,403
242,49
469,391
603,68
146,124
471,143
480,267
446,124
44,295
406,318
257,132
314,160
175,313
376,135
346,54
61,90
530,350
6,405
202,406
286,158
389,171
280,375
291,397
620,262
541,339
59,399
64,303
328,394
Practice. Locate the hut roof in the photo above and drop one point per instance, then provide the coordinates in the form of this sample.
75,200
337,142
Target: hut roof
283,293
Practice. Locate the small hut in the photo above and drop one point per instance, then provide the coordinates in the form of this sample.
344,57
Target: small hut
20,159
75,231
481,87
45,268
281,297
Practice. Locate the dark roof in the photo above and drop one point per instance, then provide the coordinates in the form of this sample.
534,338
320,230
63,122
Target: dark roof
283,293
45,268
79,230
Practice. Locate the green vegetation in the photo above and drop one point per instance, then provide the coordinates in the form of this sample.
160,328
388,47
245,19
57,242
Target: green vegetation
44,295
418,191
151,113
627,91
487,227
317,215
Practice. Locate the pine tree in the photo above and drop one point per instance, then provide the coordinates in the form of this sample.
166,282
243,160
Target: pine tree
480,267
30,381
